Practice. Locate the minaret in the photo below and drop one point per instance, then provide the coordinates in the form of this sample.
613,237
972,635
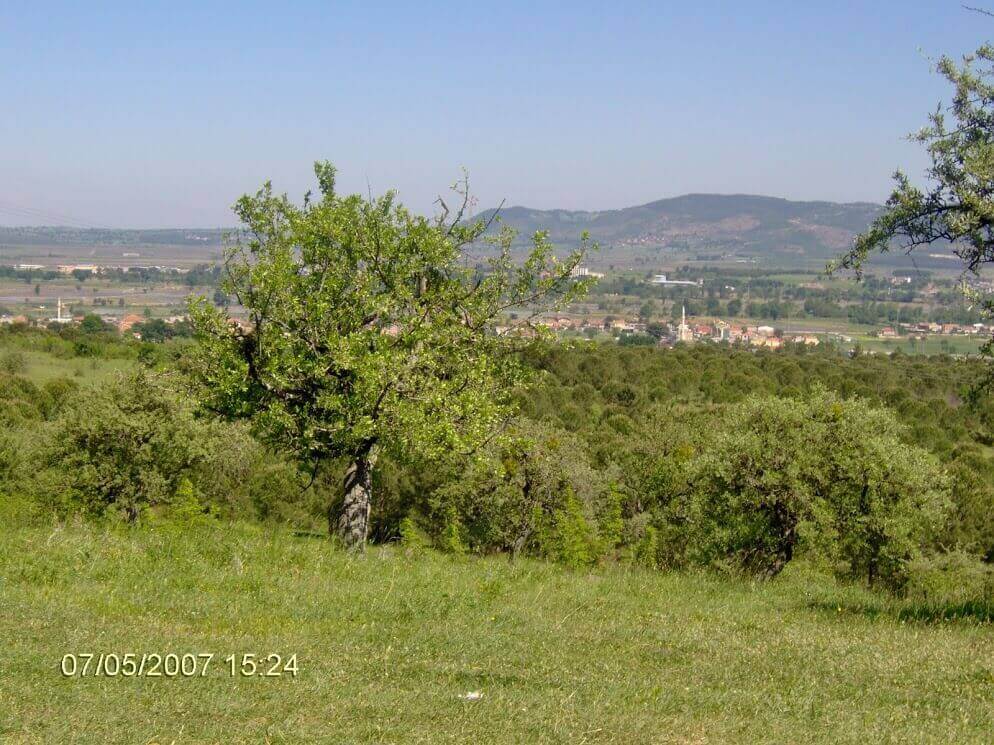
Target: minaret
683,332
58,314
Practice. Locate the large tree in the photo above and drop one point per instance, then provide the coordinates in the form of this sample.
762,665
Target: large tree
957,203
370,327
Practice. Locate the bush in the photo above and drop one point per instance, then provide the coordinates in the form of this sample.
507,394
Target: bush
565,535
821,472
137,445
954,578
124,449
535,492
14,363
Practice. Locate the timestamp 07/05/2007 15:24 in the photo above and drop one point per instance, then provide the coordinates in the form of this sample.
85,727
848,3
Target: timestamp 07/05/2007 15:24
177,665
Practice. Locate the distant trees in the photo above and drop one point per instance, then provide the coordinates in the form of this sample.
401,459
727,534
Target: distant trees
157,330
94,324
368,331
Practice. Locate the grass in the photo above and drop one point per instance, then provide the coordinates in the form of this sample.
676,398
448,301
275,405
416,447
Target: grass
387,642
932,344
42,367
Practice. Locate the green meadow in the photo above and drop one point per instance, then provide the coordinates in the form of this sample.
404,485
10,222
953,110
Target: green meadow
390,643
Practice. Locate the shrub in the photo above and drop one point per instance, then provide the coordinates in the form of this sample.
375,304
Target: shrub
536,491
821,472
124,449
14,363
646,552
953,578
564,535
137,445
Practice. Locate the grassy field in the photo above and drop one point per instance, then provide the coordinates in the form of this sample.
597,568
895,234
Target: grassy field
931,344
28,357
389,644
42,367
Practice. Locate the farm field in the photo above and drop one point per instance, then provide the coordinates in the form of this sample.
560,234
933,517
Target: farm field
931,344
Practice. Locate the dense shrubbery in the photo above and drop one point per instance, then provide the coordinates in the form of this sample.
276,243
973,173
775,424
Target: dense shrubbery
673,399
879,469
536,491
134,449
820,473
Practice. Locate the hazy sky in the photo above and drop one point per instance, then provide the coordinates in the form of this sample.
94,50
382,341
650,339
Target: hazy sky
150,114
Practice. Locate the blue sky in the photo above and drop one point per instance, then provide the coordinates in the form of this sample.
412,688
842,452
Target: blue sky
160,114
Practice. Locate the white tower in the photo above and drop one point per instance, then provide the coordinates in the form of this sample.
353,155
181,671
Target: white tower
683,332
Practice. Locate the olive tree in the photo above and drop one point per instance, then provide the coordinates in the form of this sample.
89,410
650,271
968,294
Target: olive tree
370,327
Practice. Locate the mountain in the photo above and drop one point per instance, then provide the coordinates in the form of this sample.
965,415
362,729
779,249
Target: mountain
733,223
737,224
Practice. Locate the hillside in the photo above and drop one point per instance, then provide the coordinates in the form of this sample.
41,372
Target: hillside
389,644
743,224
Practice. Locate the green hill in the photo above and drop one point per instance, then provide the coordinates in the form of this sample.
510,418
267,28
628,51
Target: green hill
737,223
389,644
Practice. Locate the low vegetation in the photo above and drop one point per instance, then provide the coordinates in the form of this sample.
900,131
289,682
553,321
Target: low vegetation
390,644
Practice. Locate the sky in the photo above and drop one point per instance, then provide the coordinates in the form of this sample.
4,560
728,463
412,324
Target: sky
160,114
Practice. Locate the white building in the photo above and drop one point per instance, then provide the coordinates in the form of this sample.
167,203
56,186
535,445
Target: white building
660,279
582,271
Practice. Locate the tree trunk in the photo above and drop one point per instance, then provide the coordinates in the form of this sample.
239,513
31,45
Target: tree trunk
353,522
784,524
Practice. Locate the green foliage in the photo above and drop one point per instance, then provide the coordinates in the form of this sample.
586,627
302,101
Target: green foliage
124,449
957,206
951,580
411,536
94,324
185,508
564,535
646,552
603,462
534,491
971,527
451,539
13,362
367,330
136,445
831,472
610,519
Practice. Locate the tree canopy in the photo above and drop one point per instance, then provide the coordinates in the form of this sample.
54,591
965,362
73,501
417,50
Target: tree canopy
371,327
957,205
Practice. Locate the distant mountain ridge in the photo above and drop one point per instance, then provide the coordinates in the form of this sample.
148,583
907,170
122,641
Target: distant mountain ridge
731,222
739,224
